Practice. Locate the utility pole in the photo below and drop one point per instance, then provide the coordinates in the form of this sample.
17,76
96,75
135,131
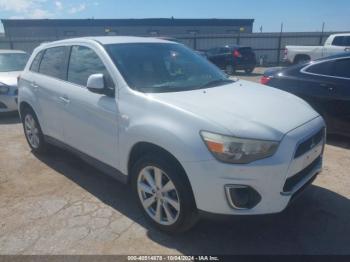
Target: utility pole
322,32
279,45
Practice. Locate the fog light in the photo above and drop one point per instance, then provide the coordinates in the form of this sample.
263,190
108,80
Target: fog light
242,197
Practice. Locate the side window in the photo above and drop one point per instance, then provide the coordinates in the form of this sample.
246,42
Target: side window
338,41
224,50
83,63
323,68
34,67
341,41
53,62
342,68
346,41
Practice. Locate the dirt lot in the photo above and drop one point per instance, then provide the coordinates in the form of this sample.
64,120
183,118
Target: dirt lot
57,204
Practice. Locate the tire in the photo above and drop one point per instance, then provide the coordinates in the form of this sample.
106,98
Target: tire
176,207
229,69
248,71
33,132
301,59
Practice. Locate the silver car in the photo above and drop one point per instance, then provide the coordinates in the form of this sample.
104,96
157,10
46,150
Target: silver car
12,63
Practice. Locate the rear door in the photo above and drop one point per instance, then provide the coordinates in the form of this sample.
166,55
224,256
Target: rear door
47,83
327,89
341,94
90,119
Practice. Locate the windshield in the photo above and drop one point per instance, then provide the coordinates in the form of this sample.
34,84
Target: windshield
13,62
164,67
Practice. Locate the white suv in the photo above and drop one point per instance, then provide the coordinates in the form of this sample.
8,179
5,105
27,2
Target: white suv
156,115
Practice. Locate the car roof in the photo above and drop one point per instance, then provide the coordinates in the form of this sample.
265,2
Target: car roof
343,34
8,51
106,40
340,55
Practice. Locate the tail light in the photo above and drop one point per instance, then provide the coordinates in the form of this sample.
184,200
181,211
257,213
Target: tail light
237,54
18,78
265,80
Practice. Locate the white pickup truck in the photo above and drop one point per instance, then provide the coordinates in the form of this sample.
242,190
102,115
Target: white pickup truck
335,43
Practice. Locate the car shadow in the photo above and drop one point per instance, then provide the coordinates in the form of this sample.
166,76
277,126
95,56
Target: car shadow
242,73
316,223
9,118
338,141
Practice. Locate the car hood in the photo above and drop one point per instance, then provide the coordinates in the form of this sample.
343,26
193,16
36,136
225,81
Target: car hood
9,78
245,109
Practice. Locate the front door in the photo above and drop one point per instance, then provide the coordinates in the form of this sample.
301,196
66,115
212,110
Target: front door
90,121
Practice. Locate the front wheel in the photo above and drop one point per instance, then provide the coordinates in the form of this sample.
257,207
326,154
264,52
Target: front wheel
163,194
229,69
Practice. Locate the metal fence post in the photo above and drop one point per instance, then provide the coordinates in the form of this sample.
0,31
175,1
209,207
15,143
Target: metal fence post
195,42
279,46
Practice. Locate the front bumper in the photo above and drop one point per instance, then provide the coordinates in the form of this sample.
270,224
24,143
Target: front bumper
8,103
268,176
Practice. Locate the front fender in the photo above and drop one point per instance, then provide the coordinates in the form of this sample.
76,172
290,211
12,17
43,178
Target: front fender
182,143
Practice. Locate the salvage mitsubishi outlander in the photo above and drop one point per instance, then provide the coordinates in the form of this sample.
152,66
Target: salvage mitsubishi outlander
156,115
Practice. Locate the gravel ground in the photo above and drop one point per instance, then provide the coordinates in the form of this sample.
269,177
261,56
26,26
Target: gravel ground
57,204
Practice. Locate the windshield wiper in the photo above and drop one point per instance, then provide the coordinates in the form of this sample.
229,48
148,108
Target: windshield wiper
217,82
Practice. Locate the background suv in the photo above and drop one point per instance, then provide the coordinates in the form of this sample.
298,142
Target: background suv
233,57
158,116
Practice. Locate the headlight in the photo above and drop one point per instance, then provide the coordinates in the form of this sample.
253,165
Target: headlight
3,89
238,150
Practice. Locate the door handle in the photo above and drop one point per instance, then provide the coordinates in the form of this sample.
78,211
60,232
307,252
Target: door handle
34,85
330,88
64,99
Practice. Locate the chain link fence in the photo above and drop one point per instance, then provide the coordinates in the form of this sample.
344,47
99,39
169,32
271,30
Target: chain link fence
269,47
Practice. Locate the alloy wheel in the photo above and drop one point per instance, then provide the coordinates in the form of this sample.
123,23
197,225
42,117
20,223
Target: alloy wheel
32,131
158,195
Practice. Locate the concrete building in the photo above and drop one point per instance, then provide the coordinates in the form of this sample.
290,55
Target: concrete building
63,28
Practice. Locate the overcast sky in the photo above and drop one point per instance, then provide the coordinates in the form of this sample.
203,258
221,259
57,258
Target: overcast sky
297,15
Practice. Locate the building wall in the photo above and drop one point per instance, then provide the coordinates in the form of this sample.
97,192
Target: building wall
64,31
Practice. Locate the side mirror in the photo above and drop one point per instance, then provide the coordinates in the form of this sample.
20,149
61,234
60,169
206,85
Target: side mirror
96,83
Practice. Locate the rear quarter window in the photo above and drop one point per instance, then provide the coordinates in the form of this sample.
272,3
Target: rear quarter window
323,68
34,67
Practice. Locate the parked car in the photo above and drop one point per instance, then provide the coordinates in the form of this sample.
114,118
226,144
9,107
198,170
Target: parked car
337,43
233,57
157,116
324,83
12,63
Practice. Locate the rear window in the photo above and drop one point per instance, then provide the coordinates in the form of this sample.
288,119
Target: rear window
53,62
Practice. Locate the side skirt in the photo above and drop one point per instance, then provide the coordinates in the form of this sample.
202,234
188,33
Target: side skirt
107,169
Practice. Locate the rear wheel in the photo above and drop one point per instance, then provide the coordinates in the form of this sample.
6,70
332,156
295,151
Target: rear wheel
32,131
229,69
163,195
300,59
249,70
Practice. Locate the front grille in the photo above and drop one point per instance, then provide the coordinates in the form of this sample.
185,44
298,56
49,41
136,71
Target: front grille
310,143
296,179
